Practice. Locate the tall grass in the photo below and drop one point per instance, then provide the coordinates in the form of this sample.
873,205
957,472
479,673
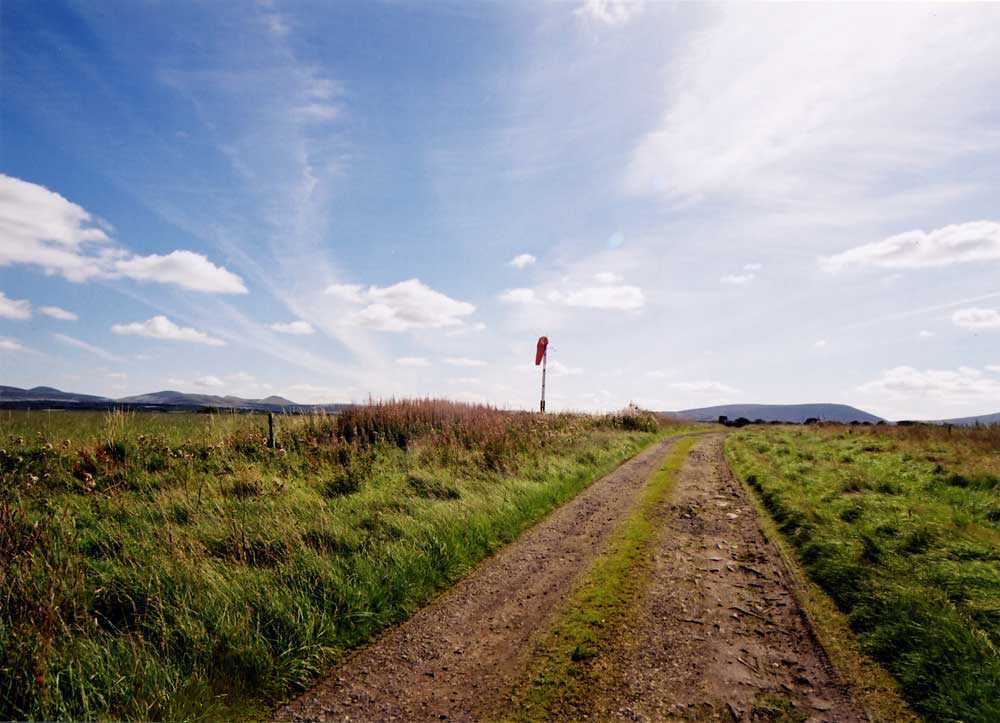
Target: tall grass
150,573
901,526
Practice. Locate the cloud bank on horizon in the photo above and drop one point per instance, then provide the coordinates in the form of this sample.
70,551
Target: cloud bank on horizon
788,204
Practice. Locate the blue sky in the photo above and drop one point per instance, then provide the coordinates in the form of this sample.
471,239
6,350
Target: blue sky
698,204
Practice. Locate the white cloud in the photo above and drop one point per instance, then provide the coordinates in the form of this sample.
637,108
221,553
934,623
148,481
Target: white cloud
183,268
464,362
522,260
294,327
14,308
411,361
58,313
557,368
994,368
351,293
753,267
610,12
405,306
10,345
518,296
977,319
771,102
659,374
738,279
39,227
95,350
209,381
703,387
924,334
958,243
608,277
820,344
963,384
160,327
617,298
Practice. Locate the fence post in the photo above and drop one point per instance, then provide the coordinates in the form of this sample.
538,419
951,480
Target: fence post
270,430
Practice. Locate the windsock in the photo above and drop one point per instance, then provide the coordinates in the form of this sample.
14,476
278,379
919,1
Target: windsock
543,342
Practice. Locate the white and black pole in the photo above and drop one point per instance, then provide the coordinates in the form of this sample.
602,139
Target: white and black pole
542,357
545,357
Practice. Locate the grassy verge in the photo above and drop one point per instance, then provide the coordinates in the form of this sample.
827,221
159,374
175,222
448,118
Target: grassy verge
901,529
562,674
174,567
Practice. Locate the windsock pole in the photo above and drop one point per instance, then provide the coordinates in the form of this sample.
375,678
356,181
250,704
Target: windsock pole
545,358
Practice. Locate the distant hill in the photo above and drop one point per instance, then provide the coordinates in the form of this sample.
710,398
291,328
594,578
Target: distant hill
981,419
45,394
794,413
47,397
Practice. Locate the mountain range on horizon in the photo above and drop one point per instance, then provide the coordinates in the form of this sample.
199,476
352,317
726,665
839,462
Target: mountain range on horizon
37,396
50,397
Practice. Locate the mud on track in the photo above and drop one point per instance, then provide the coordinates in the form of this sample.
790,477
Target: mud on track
717,634
457,658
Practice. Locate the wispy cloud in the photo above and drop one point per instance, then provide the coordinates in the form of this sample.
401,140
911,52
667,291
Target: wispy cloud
14,308
59,313
977,319
958,243
300,328
85,346
916,81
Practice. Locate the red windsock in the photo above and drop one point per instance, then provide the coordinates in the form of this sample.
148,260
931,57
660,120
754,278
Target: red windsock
543,342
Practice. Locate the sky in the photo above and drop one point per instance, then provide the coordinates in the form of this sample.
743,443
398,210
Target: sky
697,203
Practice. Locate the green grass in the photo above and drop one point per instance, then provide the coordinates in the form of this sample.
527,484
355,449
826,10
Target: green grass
173,567
901,528
563,674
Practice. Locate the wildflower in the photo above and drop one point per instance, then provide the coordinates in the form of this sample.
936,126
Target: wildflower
19,441
66,444
48,446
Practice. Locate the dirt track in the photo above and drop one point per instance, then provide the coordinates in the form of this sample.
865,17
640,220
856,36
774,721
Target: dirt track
457,658
716,634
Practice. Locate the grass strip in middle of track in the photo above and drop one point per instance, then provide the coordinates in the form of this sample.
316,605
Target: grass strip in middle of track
562,674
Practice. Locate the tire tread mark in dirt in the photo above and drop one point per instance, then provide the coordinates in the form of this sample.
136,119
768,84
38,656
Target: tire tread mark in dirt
458,657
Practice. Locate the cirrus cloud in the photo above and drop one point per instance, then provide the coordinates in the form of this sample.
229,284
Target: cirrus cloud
300,328
160,327
917,249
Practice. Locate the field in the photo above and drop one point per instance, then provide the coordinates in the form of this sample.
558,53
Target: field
901,527
174,566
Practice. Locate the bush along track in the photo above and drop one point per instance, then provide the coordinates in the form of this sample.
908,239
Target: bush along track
900,527
561,675
150,575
